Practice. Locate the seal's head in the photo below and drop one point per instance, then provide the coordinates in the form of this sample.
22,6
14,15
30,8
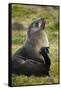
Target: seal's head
36,35
37,25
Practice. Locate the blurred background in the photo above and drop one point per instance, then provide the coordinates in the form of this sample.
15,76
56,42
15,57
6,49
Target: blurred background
22,17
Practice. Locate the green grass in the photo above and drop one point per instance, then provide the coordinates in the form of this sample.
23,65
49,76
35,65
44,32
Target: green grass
26,14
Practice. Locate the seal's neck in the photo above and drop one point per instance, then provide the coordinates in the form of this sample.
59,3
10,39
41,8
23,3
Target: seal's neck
37,42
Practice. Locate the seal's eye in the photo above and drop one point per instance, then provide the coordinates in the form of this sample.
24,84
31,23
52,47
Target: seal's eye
36,24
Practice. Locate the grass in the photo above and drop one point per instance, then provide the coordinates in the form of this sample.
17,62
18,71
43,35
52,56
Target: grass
26,15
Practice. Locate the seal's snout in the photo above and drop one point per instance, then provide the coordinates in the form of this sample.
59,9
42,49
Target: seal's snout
42,22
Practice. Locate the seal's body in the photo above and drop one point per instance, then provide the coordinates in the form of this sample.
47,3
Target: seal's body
32,58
